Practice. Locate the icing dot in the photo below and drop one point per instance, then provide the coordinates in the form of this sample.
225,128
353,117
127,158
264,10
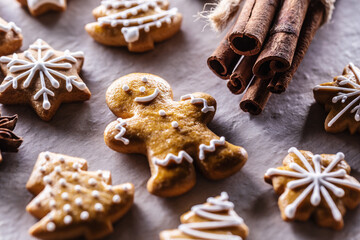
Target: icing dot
144,79
51,216
92,182
47,179
99,173
78,201
175,124
67,219
145,8
142,89
57,169
109,188
67,208
75,176
127,187
47,156
158,24
76,166
52,203
95,194
62,160
162,113
168,20
127,4
50,226
42,169
37,202
99,207
78,188
134,11
116,199
126,88
126,23
84,215
65,196
147,28
62,182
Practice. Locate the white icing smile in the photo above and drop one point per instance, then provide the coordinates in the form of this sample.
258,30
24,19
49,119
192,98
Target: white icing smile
148,98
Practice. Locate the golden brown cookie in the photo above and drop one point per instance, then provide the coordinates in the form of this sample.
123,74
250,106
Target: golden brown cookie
341,99
43,78
173,134
72,202
136,24
39,7
10,37
215,219
317,186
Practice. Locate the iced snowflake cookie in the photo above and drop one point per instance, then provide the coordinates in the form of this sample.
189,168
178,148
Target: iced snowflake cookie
173,134
38,7
341,99
215,219
72,202
43,78
10,37
316,186
136,24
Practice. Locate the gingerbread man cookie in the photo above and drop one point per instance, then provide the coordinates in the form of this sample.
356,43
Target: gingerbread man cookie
173,134
136,24
72,202
39,7
316,186
43,78
342,99
10,37
215,219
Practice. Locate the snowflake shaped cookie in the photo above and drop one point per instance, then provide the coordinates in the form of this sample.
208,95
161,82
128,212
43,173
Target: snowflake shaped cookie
342,99
136,24
315,185
172,134
38,7
43,78
10,37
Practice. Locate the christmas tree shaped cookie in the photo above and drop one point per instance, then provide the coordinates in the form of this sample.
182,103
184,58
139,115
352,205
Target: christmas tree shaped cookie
318,186
136,24
10,37
73,202
38,7
216,219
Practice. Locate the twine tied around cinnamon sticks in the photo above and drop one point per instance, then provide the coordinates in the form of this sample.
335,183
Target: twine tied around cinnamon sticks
265,46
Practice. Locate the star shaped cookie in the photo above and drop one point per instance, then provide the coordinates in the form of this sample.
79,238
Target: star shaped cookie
43,78
341,99
38,7
10,37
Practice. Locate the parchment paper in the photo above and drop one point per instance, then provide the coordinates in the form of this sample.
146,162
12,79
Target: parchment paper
290,119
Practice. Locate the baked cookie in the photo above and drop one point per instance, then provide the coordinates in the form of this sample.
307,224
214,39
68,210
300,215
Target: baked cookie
43,78
216,219
9,141
136,24
39,7
72,202
171,133
316,186
341,99
10,37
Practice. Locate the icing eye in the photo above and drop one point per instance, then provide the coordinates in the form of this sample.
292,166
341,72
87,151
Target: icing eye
144,80
126,88
142,89
175,124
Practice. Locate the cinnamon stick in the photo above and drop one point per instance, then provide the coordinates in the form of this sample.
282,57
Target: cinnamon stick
312,23
223,60
242,75
278,52
256,96
252,26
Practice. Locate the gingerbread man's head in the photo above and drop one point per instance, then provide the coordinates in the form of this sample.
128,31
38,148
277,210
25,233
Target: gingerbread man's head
173,134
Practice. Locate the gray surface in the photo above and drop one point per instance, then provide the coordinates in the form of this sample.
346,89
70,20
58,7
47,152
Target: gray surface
291,119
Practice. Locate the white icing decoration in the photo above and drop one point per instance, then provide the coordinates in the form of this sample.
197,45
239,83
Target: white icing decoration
67,208
50,227
78,201
84,215
317,181
62,160
42,169
122,130
211,147
116,199
344,94
92,182
78,188
75,176
144,80
35,4
132,25
177,159
10,26
216,221
65,196
162,113
62,182
126,88
174,124
45,67
47,179
142,89
127,186
194,100
95,194
52,203
57,169
148,98
99,207
46,154
67,219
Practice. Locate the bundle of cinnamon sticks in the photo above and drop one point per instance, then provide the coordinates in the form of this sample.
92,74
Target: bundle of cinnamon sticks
264,48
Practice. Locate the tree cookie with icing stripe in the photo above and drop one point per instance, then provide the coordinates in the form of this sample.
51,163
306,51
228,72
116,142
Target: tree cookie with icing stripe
317,186
173,134
39,7
215,219
10,37
137,24
341,99
72,202
43,78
